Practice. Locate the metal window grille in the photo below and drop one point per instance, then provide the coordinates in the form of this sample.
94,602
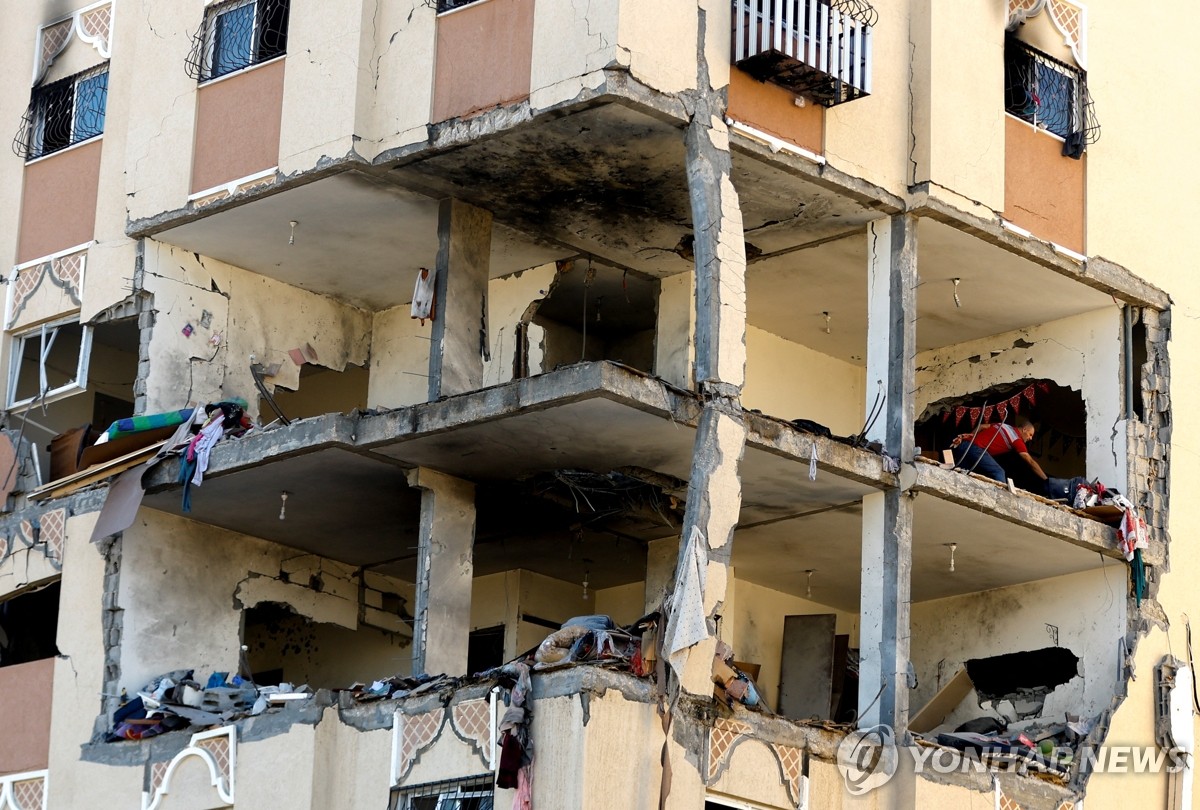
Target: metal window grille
450,5
1049,94
470,793
237,34
63,113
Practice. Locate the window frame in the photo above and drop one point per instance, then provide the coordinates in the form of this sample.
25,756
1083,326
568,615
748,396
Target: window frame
202,61
33,147
1076,115
449,793
40,332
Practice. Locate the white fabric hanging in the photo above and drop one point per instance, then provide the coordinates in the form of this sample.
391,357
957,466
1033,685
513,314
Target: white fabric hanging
422,303
687,623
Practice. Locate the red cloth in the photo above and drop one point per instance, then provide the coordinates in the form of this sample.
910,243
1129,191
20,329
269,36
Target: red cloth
1000,439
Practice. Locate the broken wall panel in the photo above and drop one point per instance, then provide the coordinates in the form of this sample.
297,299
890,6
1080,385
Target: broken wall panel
184,587
512,300
1084,613
1081,352
211,317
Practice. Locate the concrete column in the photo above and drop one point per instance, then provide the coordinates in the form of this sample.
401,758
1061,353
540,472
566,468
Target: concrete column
661,558
892,331
445,569
714,487
460,324
887,516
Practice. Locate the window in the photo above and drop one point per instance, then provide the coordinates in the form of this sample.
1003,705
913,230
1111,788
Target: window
237,34
49,362
450,5
1049,94
63,113
472,793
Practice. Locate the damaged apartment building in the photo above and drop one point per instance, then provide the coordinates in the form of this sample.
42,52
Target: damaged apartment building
551,403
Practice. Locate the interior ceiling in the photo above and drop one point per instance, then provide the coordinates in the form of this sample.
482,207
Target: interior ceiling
999,291
788,524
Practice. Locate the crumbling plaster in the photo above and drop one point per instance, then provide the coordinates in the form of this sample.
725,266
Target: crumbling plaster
249,315
1082,352
184,586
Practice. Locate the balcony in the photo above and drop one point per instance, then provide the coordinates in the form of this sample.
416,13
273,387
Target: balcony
820,49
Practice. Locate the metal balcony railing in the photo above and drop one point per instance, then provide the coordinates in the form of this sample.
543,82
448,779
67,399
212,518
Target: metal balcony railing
816,48
1050,94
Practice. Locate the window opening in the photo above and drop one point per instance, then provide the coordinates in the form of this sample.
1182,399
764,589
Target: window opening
29,626
485,648
450,5
236,35
49,361
63,113
1049,94
471,793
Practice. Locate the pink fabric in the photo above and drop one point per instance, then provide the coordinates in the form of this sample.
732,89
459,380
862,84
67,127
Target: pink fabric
523,798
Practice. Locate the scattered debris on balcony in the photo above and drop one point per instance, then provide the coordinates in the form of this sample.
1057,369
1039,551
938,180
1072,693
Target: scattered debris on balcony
175,700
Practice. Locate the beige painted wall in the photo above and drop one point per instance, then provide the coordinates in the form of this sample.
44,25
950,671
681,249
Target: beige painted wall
791,381
753,626
238,125
395,79
58,208
571,44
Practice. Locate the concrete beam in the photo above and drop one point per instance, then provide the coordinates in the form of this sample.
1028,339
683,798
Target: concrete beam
460,324
1096,272
445,569
1026,510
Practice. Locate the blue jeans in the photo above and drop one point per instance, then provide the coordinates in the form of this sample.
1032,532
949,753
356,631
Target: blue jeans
976,459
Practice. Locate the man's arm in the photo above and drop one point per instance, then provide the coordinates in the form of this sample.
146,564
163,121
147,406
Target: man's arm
1034,465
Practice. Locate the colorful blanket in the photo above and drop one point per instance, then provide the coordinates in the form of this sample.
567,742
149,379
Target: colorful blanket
153,421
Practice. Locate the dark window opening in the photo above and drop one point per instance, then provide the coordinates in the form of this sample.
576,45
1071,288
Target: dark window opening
450,5
1049,94
29,626
236,35
1137,357
485,648
63,113
471,793
595,312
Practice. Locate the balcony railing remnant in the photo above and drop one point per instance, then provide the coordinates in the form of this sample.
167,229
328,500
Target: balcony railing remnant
820,49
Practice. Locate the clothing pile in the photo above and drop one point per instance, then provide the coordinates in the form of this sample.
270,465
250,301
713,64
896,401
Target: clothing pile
1040,748
174,700
201,433
402,687
1132,532
588,639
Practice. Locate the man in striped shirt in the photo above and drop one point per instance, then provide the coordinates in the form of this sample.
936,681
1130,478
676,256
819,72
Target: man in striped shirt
995,440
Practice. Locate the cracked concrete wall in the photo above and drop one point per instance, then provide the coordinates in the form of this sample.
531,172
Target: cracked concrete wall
510,300
253,315
395,75
1082,352
184,586
573,41
1087,611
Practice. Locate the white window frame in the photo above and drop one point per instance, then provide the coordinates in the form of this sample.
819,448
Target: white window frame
46,334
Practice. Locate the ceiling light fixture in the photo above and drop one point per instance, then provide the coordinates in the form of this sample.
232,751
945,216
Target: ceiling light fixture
828,331
283,496
808,590
292,237
953,547
957,301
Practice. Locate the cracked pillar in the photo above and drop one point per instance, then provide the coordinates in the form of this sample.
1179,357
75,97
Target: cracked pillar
887,516
459,343
445,570
714,486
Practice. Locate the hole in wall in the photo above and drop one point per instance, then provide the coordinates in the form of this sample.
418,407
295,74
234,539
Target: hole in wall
29,626
1024,679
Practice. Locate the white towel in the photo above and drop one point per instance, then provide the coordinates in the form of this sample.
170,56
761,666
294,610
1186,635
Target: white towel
210,434
422,303
687,623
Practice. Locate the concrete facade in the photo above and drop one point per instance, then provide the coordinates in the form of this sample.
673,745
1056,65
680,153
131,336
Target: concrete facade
691,328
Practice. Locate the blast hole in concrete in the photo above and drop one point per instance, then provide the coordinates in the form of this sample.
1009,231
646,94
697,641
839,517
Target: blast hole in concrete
1023,678
282,645
1137,358
1057,412
617,312
29,626
321,390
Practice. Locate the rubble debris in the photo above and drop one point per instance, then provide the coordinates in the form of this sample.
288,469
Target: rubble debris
176,700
